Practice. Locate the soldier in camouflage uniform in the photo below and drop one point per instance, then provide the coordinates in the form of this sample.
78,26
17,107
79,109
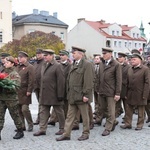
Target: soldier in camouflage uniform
9,98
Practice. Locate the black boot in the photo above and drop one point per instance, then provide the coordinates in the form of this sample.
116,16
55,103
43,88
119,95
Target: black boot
19,134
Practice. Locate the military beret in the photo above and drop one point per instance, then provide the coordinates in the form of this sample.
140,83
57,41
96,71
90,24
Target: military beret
3,55
22,54
135,55
107,49
11,59
135,51
78,49
122,54
64,52
48,51
39,51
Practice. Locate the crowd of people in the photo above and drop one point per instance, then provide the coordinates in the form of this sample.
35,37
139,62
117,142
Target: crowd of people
65,90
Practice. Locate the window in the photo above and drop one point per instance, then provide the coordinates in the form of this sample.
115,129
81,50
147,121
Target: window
1,36
137,35
31,30
125,44
53,32
130,44
139,45
62,36
133,34
1,16
115,43
113,32
119,43
135,45
117,33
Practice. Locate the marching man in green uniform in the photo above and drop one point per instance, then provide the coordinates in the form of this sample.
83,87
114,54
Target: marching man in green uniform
8,96
79,93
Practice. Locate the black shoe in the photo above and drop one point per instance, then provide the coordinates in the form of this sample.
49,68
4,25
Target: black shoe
98,123
36,123
51,123
30,128
75,128
148,120
114,125
18,135
24,129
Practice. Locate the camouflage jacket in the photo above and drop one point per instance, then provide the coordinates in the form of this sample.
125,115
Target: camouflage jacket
6,94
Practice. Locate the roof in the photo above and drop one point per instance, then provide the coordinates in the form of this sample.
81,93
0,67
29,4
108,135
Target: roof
100,25
37,18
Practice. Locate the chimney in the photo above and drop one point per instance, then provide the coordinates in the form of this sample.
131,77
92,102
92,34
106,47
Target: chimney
13,14
102,21
55,14
44,13
80,19
35,11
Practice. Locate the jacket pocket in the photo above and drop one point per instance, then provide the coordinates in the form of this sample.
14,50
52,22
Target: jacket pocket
78,96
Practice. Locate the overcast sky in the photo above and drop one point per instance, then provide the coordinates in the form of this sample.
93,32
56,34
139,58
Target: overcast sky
129,12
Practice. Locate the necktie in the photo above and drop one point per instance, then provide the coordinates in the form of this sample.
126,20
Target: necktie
96,69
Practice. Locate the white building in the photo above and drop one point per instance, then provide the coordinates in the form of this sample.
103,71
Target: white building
5,21
92,36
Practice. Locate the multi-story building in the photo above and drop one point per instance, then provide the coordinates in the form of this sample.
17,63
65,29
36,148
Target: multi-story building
39,21
5,22
92,36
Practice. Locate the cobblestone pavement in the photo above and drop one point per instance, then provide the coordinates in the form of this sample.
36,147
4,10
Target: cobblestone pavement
119,139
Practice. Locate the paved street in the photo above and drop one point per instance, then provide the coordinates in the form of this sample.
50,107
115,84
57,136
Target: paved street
118,140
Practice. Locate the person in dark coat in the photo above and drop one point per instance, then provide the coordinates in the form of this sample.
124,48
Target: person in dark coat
147,107
51,92
79,93
110,88
97,61
37,68
64,57
26,71
122,60
138,86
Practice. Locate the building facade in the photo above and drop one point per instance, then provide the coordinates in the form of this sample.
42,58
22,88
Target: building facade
39,21
5,21
92,36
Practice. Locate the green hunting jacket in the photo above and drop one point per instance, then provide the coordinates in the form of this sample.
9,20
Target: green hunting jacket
80,82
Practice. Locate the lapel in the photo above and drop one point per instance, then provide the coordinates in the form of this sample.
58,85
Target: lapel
74,66
47,65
